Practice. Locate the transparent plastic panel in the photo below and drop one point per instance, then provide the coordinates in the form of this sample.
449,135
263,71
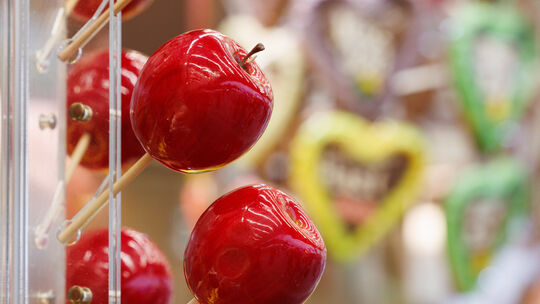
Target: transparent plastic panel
32,96
115,155
14,160
93,221
46,152
4,29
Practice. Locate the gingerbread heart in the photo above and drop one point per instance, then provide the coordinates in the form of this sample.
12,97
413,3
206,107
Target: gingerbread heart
356,45
355,178
493,62
483,205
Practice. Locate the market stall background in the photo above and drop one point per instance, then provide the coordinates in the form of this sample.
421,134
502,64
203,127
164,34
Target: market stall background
406,129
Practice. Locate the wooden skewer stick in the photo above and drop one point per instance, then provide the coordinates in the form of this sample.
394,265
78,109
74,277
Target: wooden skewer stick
81,219
82,113
70,4
77,155
71,49
193,301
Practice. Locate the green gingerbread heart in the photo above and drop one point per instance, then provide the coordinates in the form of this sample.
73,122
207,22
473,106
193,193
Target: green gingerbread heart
480,209
493,62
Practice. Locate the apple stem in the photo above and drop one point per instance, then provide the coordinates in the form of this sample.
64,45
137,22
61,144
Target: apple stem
257,48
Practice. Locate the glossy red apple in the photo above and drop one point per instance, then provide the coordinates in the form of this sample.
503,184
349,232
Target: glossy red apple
146,275
254,245
88,83
83,10
196,105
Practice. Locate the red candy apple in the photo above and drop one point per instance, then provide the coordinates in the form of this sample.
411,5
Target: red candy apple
200,102
83,10
88,84
254,245
146,275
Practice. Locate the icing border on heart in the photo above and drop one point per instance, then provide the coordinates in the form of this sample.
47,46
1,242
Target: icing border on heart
505,24
364,142
499,179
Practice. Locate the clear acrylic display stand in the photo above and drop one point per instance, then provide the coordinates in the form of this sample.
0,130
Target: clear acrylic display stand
32,135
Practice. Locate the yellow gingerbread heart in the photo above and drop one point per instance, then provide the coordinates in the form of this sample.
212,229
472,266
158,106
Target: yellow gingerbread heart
370,145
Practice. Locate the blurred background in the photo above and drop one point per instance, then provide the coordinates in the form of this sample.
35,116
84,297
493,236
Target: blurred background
411,124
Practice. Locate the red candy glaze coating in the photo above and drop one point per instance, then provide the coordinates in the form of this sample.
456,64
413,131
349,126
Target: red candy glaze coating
146,275
194,108
85,9
88,83
254,245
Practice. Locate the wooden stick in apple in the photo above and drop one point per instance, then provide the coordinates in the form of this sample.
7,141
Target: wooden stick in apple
70,4
185,127
82,113
77,155
88,110
71,49
146,273
84,10
90,210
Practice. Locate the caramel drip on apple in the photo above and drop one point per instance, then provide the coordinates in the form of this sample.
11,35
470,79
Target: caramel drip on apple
249,56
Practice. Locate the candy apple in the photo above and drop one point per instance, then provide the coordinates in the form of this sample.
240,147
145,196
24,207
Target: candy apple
85,9
254,245
200,102
146,275
88,84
